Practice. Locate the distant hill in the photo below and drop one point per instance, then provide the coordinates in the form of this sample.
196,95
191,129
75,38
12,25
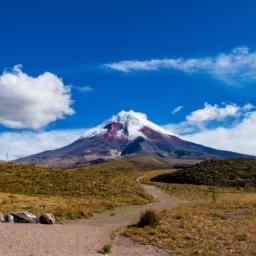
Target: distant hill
226,173
127,133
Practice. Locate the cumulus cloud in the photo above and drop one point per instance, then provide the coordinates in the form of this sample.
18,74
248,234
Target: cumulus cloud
32,102
240,138
21,144
213,112
177,109
238,135
237,66
229,113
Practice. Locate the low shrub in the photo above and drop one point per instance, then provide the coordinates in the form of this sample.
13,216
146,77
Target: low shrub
148,218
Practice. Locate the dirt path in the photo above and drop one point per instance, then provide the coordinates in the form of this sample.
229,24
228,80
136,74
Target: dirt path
83,237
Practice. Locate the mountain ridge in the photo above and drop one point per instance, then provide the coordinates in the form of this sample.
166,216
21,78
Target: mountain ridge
124,134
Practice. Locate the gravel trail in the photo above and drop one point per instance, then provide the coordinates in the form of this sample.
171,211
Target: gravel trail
84,237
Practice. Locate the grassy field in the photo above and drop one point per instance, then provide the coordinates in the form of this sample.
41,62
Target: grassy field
223,226
74,193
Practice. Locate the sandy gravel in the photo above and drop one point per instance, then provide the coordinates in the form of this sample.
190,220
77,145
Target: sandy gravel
83,237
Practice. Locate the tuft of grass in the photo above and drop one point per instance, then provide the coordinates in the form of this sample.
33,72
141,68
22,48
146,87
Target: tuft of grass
107,248
148,218
242,237
110,207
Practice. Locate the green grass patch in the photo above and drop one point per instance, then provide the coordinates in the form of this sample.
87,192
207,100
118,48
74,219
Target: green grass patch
107,248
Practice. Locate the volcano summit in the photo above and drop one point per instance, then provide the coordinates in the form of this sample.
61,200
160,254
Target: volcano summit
127,133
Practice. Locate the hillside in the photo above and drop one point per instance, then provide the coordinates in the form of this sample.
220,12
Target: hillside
30,179
226,173
73,193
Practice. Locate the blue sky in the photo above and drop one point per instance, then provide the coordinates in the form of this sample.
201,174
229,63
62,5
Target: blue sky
88,44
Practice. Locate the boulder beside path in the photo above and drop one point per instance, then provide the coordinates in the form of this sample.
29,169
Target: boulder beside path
46,218
27,217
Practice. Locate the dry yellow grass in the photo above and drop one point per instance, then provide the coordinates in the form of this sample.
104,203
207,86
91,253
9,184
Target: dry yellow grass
212,230
70,194
64,208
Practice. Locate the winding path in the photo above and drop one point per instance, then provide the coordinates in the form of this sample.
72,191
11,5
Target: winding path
83,237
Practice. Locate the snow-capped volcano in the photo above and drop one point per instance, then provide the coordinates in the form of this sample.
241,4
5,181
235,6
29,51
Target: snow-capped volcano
127,133
126,125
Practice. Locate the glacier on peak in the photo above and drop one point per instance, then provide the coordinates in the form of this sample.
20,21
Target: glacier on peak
132,123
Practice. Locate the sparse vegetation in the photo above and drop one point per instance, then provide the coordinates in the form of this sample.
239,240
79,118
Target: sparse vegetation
203,229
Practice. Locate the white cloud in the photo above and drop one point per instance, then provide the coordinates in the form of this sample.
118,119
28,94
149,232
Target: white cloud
84,89
237,66
248,106
213,112
177,109
20,144
238,136
201,118
32,102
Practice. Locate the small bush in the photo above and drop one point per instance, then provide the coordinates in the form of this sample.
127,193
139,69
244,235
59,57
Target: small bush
107,248
148,218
